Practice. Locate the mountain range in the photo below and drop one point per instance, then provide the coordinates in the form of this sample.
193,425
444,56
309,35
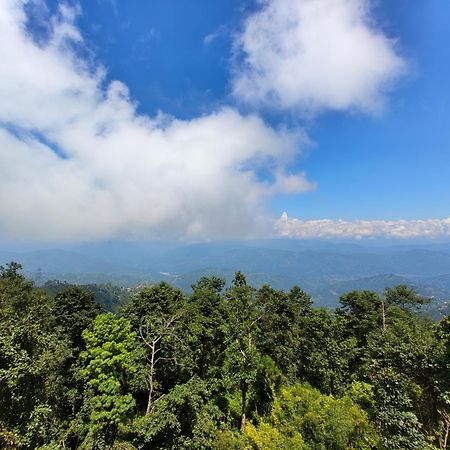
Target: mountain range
324,269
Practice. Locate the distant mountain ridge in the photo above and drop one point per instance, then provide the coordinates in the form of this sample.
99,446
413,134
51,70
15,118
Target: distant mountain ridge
324,269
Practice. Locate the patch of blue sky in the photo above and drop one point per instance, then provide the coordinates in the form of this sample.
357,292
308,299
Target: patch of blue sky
390,166
26,135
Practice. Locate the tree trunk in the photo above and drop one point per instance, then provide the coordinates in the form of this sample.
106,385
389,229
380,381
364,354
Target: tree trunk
150,395
244,389
150,378
446,431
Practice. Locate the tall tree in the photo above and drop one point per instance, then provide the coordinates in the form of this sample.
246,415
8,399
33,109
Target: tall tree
404,297
242,355
281,325
155,315
110,359
32,358
363,311
327,353
73,311
206,327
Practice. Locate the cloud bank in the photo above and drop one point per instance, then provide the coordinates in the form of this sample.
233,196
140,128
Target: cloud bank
315,55
78,162
408,229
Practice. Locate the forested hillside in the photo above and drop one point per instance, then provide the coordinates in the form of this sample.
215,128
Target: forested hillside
325,270
222,368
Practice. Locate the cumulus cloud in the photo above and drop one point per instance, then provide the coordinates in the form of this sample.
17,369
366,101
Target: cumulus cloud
315,55
78,162
429,228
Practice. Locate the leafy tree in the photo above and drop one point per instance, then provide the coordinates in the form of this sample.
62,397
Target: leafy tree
409,349
327,352
404,297
32,358
74,310
110,359
363,311
155,315
281,326
442,382
303,418
182,419
242,335
206,326
395,419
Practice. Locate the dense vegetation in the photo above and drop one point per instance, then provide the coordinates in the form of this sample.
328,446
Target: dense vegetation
107,295
223,368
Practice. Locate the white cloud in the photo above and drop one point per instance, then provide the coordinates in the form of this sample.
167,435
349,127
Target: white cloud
315,55
78,162
358,229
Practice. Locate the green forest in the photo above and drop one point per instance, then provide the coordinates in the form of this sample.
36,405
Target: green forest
226,367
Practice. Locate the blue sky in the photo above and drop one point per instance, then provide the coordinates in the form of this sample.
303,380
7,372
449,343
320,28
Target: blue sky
377,155
392,166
